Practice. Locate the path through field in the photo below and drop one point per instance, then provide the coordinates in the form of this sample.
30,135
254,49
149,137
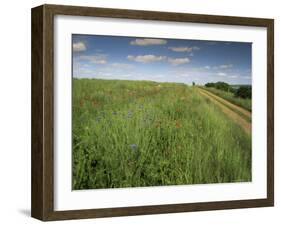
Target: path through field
230,110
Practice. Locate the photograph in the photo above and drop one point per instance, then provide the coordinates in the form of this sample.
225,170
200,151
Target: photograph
137,112
159,112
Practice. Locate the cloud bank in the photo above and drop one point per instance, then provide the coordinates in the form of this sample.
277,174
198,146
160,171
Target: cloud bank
183,49
148,42
146,58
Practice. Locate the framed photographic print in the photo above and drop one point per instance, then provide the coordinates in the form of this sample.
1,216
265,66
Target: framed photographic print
141,112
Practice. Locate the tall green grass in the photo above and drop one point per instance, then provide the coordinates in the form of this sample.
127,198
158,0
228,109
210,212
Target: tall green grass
134,133
244,103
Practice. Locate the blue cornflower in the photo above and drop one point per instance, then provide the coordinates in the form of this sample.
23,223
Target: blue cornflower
134,147
130,113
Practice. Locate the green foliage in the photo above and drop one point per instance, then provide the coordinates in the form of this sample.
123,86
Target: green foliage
244,92
221,86
134,133
233,98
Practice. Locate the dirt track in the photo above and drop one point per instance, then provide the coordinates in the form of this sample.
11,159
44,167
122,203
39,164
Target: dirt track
226,108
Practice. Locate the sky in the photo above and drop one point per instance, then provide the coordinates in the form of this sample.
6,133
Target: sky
161,60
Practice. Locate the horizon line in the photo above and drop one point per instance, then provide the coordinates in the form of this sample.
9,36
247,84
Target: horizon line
137,80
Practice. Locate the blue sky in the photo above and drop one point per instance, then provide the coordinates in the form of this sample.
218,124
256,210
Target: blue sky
161,60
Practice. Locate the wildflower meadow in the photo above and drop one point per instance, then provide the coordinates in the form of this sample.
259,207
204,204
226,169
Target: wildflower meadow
140,133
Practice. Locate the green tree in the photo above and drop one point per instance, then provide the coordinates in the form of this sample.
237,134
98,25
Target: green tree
219,85
244,92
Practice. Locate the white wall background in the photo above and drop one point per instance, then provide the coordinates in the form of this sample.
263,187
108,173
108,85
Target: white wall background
15,112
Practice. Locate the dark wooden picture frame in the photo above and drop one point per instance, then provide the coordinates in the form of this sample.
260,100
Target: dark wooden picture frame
42,203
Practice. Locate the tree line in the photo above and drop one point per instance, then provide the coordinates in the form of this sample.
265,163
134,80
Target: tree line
243,91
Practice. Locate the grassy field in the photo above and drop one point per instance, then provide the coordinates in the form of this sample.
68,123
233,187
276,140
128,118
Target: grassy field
137,133
244,103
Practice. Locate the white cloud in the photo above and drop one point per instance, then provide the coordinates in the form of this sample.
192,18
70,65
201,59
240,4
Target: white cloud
222,66
195,48
146,58
148,41
233,76
184,48
122,65
79,46
207,67
178,61
95,59
181,49
221,74
225,66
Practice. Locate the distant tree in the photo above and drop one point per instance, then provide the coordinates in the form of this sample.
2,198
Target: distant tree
193,83
210,84
220,85
244,92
